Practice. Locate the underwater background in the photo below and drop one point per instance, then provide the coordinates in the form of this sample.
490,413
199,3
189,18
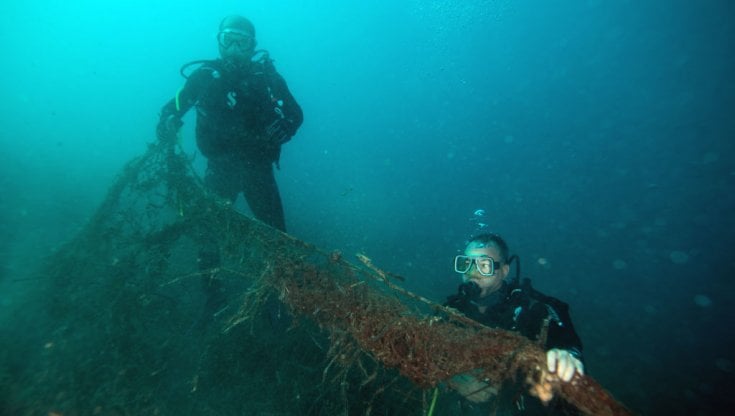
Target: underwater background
597,136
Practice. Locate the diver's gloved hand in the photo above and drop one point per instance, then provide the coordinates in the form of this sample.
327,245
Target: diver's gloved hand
167,129
279,132
466,292
564,364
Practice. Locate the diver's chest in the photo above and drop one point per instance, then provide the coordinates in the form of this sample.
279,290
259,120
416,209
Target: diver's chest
242,95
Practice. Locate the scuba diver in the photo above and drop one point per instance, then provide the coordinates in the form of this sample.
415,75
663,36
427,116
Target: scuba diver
486,297
245,113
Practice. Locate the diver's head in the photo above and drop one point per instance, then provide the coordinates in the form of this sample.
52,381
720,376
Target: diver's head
485,262
491,240
236,39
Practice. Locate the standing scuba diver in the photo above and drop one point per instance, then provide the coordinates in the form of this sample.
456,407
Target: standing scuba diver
245,113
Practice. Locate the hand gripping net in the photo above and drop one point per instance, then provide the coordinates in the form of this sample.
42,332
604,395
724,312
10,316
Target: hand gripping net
170,302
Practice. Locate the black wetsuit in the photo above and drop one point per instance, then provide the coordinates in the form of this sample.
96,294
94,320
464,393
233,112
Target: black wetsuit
234,107
522,309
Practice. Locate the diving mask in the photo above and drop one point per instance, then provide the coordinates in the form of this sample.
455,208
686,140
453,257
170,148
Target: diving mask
485,265
228,37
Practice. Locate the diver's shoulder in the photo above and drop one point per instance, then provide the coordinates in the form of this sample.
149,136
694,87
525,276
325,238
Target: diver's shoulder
538,296
208,69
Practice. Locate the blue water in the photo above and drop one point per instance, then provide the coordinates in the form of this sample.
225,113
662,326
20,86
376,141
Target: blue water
597,136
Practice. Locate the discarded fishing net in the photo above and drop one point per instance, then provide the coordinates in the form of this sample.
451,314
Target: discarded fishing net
171,302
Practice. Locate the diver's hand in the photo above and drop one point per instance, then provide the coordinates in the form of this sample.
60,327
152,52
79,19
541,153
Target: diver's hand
563,363
167,129
279,132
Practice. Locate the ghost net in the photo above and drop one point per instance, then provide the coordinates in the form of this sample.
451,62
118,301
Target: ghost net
171,302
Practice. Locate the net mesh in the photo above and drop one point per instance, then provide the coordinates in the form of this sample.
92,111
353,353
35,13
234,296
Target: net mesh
171,302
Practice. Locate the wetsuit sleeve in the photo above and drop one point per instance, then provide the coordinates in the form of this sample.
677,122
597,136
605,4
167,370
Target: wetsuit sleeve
561,330
291,109
187,96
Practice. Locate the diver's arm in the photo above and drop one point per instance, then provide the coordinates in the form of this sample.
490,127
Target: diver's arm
188,95
172,112
564,356
561,333
291,109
